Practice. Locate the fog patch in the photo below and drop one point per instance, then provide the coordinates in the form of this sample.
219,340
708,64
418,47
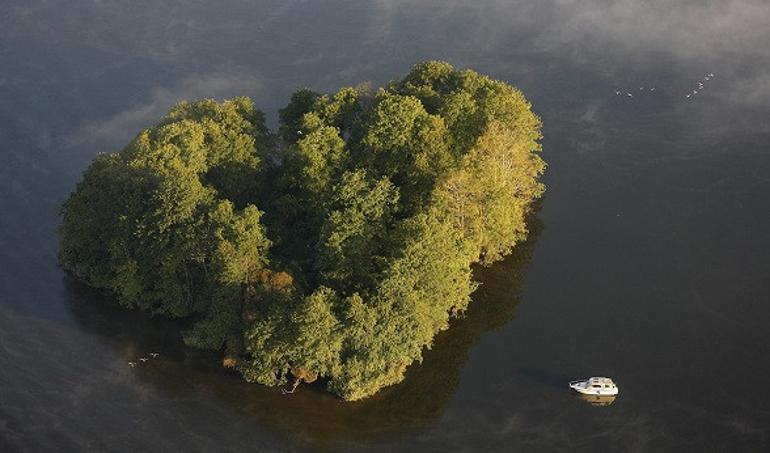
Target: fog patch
115,131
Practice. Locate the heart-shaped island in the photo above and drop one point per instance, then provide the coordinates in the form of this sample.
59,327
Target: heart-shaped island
333,249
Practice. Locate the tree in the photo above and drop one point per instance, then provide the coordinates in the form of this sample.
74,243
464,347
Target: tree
291,116
353,235
488,197
155,222
302,338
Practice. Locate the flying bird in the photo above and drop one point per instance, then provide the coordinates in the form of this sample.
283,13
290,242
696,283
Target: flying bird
154,355
143,359
132,364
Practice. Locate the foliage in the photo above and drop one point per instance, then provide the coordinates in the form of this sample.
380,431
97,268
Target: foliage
152,222
376,206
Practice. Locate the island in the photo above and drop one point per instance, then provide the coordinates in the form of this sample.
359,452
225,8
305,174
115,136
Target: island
333,249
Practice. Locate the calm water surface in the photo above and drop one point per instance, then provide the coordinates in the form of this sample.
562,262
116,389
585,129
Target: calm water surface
648,259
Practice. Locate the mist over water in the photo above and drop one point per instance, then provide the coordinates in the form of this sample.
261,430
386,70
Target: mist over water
647,260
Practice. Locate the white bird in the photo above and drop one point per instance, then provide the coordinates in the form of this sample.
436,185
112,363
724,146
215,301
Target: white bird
688,95
641,88
711,74
652,89
154,355
143,359
694,92
299,132
630,95
132,364
617,93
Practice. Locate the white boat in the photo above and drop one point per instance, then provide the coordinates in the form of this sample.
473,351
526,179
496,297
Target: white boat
602,386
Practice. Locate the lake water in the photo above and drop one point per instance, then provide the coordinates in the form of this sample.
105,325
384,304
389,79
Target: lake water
649,259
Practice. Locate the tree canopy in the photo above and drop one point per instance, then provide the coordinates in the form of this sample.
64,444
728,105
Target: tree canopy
334,249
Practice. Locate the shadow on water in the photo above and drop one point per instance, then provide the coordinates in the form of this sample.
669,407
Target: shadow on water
596,400
311,416
546,377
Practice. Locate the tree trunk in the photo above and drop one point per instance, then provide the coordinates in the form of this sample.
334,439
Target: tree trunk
293,387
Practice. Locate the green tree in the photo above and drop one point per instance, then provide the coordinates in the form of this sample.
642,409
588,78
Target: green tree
302,338
353,236
488,197
155,222
291,116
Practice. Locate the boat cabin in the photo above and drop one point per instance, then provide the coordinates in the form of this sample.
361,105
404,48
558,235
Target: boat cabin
595,386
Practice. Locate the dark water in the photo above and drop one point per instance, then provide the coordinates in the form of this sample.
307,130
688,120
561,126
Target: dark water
648,259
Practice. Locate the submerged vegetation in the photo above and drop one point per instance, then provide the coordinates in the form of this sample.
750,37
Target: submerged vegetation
334,249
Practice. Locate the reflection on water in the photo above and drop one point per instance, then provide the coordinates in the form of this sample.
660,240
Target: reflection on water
311,415
598,400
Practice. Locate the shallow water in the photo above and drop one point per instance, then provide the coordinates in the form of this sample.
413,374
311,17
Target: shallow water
647,260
